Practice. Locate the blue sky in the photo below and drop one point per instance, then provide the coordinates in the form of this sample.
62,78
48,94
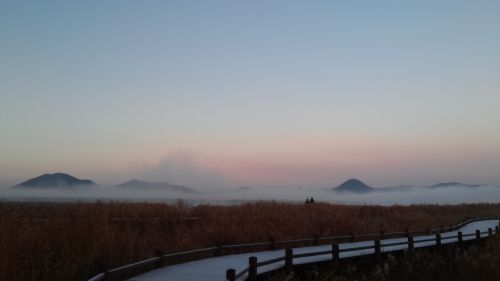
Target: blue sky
258,92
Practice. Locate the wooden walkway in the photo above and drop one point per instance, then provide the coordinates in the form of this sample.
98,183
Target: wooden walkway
214,269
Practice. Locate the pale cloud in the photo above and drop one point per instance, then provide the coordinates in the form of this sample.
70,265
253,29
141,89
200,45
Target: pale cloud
184,167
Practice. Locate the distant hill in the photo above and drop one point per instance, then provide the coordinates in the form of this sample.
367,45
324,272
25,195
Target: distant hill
448,184
57,180
354,186
138,184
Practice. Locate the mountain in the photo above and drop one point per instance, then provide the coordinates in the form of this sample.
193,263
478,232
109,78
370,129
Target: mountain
354,186
138,184
448,184
57,180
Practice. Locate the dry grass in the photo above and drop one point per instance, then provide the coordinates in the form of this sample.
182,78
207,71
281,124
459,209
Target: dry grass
72,241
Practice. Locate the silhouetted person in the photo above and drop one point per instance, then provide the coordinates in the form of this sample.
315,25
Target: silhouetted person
312,200
307,201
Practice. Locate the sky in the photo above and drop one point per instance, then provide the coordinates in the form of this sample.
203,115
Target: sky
259,93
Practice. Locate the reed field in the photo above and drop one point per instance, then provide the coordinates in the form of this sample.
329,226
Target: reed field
74,241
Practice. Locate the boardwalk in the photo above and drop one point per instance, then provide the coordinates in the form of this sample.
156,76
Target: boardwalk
214,269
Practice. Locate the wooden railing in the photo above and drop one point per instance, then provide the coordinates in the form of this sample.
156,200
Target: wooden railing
161,259
251,270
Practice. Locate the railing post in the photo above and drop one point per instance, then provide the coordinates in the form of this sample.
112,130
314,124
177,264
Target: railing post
478,234
496,229
335,253
490,232
252,268
231,274
378,249
315,240
289,259
219,251
411,244
460,238
272,243
159,253
101,268
438,239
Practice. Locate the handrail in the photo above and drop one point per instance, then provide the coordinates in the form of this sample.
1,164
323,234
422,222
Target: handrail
98,277
427,240
136,264
245,245
296,241
311,254
394,244
271,261
449,237
334,237
242,273
190,252
376,246
156,261
356,249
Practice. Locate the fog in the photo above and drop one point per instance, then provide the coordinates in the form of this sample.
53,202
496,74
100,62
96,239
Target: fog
178,166
405,196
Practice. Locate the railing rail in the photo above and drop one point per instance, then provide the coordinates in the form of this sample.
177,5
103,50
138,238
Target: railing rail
125,271
376,247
